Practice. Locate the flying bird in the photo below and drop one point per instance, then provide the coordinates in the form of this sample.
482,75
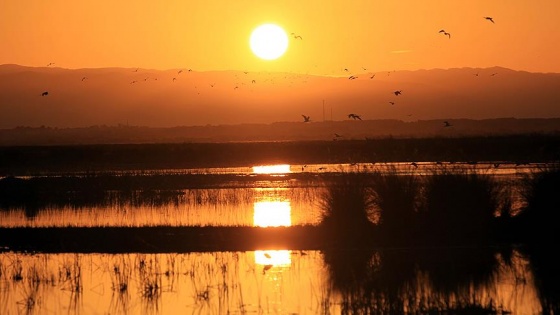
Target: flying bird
352,77
447,34
489,19
354,116
306,118
391,102
372,76
296,36
397,93
447,124
84,78
336,135
179,72
45,93
50,64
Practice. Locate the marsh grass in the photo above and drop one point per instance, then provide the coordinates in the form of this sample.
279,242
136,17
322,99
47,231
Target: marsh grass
460,206
347,206
397,281
542,204
395,198
446,206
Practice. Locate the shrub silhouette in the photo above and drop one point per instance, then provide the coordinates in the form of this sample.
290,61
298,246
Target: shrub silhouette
347,206
459,207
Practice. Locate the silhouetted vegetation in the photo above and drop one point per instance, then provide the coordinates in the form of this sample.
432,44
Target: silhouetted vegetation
542,204
396,202
348,207
459,207
410,281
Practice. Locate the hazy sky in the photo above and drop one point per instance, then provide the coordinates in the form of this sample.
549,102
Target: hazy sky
214,35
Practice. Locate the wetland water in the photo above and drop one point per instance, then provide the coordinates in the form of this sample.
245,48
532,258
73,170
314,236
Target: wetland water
271,280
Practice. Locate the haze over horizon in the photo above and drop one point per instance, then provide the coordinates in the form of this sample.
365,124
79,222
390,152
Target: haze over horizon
139,97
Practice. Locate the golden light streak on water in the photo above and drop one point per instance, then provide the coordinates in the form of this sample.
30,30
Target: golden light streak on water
279,258
272,169
272,213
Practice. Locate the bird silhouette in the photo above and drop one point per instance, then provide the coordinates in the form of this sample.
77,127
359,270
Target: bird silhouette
296,36
354,116
50,64
447,34
489,19
174,79
84,78
45,93
266,268
391,102
397,93
372,76
336,135
352,77
179,72
306,118
447,124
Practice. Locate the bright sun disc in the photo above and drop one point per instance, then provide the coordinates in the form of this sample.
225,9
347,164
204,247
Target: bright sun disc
269,41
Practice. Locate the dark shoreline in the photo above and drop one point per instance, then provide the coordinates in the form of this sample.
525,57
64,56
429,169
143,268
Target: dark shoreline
28,160
167,239
160,239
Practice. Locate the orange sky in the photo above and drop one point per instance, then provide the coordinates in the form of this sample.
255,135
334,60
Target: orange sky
214,35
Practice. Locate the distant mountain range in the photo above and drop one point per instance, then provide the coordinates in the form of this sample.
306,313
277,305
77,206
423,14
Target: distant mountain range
79,98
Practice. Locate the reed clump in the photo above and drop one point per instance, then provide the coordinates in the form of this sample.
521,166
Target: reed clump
459,206
542,203
347,206
395,197
445,207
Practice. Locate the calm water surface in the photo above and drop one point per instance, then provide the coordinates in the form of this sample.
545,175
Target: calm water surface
270,281
256,282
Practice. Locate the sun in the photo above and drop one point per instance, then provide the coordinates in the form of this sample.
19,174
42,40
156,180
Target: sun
269,41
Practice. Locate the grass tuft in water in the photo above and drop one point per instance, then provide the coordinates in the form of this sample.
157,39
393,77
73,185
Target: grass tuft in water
347,205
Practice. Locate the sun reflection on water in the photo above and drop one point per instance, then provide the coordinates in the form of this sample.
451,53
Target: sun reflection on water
272,169
272,213
270,210
273,257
